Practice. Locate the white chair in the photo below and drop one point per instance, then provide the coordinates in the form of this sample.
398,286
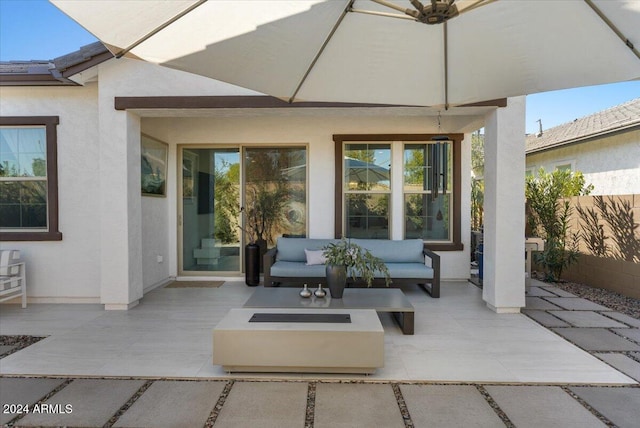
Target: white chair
12,276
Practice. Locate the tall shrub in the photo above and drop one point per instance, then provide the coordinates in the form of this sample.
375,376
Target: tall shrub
548,216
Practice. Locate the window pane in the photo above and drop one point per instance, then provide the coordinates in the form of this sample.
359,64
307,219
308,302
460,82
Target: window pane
416,170
427,218
426,163
367,167
23,152
23,204
367,215
276,181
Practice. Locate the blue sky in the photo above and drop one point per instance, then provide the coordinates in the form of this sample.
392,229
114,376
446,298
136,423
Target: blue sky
35,29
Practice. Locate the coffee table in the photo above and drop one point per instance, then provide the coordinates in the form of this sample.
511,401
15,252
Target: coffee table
390,300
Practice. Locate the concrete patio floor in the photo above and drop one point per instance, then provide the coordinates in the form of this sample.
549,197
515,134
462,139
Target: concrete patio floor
169,335
466,366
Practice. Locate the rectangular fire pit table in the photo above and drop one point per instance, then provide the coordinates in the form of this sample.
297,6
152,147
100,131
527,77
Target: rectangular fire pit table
299,341
381,299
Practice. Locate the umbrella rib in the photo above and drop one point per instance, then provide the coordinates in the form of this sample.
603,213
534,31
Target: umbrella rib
385,14
446,68
613,27
322,48
160,28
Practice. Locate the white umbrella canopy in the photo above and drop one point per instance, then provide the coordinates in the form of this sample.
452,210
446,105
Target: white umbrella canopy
363,51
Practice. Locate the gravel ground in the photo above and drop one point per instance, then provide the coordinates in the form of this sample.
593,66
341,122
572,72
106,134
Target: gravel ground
19,342
615,301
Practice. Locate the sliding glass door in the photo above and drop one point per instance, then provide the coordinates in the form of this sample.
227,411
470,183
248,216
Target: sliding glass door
210,210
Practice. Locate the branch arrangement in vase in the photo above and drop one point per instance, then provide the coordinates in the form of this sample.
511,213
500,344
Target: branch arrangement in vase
360,263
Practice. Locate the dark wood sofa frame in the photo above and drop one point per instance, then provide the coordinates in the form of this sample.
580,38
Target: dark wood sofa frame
431,286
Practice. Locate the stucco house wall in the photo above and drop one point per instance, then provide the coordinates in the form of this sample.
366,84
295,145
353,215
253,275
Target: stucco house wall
611,163
67,270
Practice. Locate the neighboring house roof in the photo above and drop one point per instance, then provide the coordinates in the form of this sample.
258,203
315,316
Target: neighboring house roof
614,119
53,72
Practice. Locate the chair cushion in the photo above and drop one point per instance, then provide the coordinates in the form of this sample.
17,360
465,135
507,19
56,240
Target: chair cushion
8,257
8,282
297,269
292,249
404,251
409,270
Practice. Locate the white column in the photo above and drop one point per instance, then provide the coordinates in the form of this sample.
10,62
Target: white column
120,222
397,193
503,283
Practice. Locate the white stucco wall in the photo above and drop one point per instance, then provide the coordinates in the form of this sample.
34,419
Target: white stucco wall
611,164
67,270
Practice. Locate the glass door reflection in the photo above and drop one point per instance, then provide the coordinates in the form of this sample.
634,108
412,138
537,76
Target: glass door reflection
210,210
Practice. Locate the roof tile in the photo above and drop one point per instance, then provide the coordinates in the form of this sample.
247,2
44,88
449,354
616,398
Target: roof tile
605,121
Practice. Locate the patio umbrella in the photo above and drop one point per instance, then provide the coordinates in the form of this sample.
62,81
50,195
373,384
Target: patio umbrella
392,52
359,171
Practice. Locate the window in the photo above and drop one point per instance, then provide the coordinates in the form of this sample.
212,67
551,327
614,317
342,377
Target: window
564,166
427,191
367,189
427,200
28,179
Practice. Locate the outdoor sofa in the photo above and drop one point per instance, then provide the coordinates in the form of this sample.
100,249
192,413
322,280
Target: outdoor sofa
408,261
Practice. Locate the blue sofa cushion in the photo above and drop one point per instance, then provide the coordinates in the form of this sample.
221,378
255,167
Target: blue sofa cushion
292,249
405,251
295,269
409,270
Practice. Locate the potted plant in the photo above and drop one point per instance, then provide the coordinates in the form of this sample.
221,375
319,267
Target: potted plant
251,249
344,258
262,216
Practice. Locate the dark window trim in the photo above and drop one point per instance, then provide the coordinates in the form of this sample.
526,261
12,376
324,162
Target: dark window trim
50,123
339,139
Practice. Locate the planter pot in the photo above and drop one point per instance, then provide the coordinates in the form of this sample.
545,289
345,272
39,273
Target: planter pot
252,264
336,280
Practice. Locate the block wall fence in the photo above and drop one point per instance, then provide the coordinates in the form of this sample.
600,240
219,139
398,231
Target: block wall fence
620,276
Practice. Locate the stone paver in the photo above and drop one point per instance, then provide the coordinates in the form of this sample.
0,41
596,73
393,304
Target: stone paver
545,318
630,333
621,362
634,322
353,405
596,339
92,401
620,405
558,291
172,404
587,319
542,406
264,405
539,292
576,304
23,391
448,406
539,303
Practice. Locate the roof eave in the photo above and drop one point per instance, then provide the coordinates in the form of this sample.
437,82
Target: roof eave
34,80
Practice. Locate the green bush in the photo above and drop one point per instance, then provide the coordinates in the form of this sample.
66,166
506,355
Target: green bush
548,215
